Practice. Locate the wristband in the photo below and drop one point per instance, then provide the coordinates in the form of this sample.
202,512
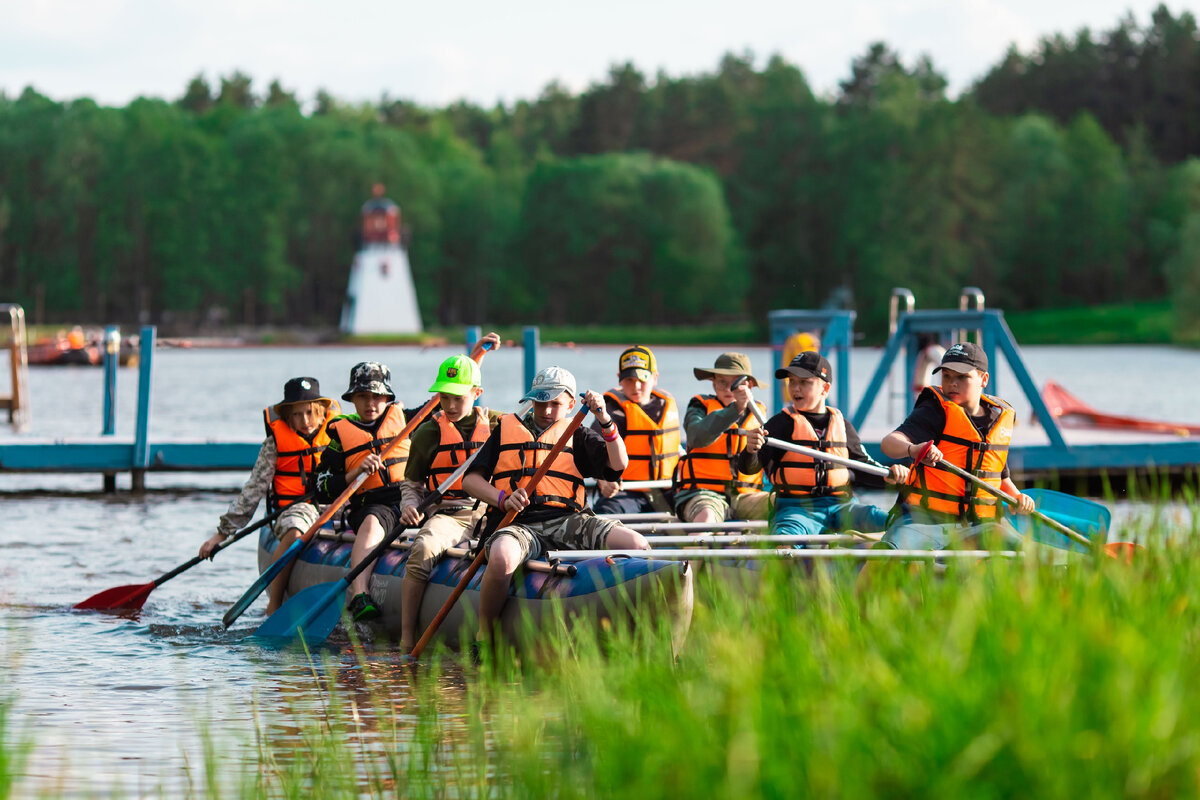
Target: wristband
500,499
612,423
612,438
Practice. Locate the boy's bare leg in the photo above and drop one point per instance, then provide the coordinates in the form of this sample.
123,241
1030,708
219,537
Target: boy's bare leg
369,534
620,538
279,585
504,557
412,590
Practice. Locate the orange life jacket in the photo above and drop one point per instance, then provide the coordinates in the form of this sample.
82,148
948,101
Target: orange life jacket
796,475
358,443
295,456
652,445
938,490
452,451
713,466
521,455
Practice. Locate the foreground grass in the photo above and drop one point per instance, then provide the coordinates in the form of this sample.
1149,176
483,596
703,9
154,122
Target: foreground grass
997,680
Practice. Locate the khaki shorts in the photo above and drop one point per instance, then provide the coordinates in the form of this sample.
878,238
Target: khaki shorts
749,505
582,531
300,516
439,533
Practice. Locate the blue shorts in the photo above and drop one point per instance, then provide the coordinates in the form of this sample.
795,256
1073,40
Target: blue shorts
817,515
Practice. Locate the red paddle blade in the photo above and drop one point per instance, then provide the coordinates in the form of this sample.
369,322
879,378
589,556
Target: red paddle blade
1122,551
132,596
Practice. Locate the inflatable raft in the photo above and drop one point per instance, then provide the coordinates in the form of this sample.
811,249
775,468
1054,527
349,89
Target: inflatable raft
600,588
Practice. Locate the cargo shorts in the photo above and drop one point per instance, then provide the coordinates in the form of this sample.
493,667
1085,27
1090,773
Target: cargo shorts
577,531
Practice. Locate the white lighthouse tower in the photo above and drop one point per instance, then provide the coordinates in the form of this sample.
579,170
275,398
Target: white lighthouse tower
380,297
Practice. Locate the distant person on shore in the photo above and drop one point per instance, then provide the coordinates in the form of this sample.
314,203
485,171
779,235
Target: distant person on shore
440,445
296,436
554,516
929,355
970,430
814,496
647,420
355,441
708,485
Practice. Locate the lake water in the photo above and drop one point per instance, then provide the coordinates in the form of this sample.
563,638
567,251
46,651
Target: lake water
124,702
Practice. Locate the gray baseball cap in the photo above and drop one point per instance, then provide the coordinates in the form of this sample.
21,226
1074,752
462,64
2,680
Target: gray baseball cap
549,384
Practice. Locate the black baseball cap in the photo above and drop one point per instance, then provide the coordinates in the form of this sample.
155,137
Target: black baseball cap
809,364
964,357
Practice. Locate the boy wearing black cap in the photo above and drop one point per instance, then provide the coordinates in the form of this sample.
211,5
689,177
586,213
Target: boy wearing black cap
355,441
966,428
296,436
814,496
647,420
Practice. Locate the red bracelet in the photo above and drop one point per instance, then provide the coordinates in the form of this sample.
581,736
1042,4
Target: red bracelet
500,499
612,438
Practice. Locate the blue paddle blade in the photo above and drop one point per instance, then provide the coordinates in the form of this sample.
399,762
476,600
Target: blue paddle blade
311,614
261,583
1084,516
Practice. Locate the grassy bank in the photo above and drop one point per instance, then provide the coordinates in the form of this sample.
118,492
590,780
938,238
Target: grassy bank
1129,323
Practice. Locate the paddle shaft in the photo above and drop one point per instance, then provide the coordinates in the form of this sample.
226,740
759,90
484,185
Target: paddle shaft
1008,498
295,547
529,486
788,554
237,536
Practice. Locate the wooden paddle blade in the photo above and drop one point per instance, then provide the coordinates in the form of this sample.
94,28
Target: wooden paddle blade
261,583
131,596
311,615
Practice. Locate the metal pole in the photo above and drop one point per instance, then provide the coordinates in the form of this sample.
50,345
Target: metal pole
112,350
141,440
531,353
902,302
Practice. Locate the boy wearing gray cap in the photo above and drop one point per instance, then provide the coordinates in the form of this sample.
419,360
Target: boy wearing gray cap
553,516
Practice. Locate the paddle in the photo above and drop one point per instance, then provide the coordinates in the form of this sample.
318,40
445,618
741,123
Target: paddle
529,486
787,554
268,575
313,613
134,595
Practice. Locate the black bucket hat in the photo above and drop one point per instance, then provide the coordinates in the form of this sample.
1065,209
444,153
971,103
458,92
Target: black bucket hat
370,376
300,390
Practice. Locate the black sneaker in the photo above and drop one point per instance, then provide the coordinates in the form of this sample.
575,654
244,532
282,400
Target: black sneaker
363,608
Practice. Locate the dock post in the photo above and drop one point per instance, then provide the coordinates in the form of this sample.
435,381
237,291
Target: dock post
531,352
141,439
112,355
18,402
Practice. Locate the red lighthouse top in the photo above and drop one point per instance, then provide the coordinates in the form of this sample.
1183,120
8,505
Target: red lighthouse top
380,219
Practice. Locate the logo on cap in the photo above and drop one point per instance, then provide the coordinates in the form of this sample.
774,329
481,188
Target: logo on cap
957,350
305,385
635,361
452,372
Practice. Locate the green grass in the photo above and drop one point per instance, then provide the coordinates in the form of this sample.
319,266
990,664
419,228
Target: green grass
996,680
1147,322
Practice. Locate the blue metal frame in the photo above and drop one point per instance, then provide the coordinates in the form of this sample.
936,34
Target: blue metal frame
836,329
995,334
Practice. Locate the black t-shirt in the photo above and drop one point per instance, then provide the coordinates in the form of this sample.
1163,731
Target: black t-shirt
329,479
928,420
587,447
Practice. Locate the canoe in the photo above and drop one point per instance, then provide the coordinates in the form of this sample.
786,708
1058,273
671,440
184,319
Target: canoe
600,588
52,353
1072,412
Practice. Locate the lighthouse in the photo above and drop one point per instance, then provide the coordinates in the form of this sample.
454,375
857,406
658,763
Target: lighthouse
380,297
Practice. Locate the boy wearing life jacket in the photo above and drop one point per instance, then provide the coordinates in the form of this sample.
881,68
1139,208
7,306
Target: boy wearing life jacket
968,429
296,436
439,446
553,516
814,496
647,420
708,485
355,441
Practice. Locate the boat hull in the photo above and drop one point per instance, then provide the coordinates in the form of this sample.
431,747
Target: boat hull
603,591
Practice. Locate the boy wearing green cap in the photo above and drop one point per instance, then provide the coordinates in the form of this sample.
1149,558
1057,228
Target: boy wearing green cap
708,485
439,446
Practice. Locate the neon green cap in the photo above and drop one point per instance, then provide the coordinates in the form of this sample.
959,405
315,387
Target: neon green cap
457,375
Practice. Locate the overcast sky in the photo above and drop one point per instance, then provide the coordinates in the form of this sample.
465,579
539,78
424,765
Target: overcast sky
438,52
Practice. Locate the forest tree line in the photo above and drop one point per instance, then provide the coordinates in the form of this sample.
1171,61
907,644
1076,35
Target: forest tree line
1066,176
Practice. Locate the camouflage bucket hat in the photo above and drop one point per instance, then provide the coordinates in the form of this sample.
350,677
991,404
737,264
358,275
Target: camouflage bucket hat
370,376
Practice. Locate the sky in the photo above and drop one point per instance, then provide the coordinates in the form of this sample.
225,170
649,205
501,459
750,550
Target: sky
436,53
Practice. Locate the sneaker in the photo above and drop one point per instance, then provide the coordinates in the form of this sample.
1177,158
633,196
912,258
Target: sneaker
363,608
